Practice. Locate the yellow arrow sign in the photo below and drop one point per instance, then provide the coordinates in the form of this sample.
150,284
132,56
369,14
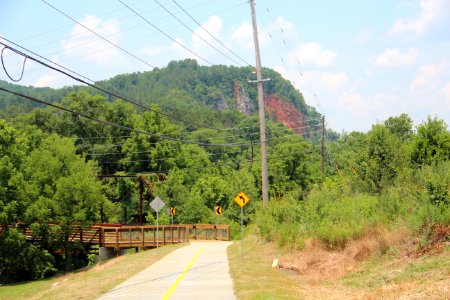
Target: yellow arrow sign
241,199
173,211
218,210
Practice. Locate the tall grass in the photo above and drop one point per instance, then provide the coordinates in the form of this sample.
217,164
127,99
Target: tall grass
334,214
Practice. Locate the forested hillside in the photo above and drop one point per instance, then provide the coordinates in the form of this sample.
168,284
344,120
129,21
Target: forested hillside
184,90
206,151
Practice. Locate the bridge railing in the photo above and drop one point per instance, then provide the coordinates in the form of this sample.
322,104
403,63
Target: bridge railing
142,236
122,236
209,232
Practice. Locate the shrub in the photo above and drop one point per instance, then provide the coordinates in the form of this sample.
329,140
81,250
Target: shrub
31,262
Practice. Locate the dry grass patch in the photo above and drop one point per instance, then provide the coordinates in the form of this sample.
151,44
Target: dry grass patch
380,265
89,283
319,263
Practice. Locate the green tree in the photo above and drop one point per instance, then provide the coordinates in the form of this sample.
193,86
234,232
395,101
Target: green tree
13,150
381,158
22,260
401,126
61,188
432,143
293,164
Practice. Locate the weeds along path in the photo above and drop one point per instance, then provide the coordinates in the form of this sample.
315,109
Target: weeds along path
380,265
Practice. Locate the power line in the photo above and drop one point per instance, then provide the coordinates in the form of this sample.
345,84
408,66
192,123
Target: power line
88,42
6,72
193,19
290,48
286,132
150,151
291,78
103,38
199,36
77,113
104,122
27,56
157,28
67,26
94,85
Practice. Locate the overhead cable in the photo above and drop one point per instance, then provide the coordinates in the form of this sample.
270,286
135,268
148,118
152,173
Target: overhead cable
94,85
199,36
228,48
104,122
100,36
6,72
157,28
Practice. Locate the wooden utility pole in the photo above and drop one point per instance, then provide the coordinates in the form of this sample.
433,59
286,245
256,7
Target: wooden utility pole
262,121
323,145
141,191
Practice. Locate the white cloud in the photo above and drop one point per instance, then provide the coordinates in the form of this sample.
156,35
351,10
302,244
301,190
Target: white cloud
354,103
431,11
326,80
446,91
243,35
363,37
152,51
45,81
201,38
86,45
283,27
177,44
428,76
334,80
321,80
395,57
360,108
312,54
213,26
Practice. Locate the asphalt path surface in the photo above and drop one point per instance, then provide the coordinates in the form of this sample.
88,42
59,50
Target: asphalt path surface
197,271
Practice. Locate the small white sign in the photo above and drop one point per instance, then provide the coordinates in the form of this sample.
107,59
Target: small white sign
157,204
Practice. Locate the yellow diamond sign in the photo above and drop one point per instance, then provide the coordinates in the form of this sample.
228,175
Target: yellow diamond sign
218,210
241,199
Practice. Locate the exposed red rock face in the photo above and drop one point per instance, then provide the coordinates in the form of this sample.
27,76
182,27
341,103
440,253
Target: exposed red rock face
280,110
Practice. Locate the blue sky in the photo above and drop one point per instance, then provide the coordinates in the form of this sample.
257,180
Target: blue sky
356,62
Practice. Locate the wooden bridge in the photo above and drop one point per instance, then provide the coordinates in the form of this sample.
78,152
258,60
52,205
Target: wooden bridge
118,236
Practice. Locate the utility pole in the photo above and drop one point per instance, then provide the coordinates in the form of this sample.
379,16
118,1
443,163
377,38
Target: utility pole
323,144
141,191
262,121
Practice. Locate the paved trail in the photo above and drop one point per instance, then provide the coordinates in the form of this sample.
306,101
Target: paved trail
197,271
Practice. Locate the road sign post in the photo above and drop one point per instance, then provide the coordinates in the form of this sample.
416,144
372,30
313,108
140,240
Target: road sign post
242,199
157,204
242,231
173,211
218,210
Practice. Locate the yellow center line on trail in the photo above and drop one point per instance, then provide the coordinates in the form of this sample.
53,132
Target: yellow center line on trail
177,282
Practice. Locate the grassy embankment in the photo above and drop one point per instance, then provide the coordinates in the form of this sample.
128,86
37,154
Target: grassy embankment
359,271
341,243
89,283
